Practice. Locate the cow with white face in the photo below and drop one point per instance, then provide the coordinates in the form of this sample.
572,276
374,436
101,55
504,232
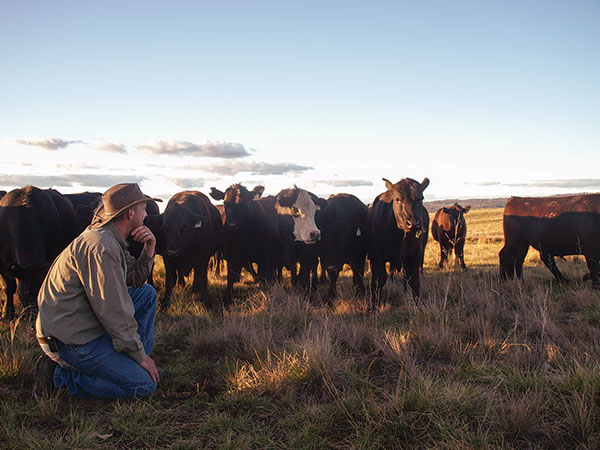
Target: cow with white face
296,209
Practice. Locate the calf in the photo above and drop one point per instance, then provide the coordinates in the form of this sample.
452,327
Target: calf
193,233
343,240
297,231
555,226
35,225
245,233
395,229
449,228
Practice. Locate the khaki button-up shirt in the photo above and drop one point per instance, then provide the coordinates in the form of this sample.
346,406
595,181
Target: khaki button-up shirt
84,294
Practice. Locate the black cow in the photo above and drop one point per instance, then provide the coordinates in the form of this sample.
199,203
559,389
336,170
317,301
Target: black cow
343,240
449,228
35,225
555,226
193,232
297,231
245,233
154,222
395,228
85,204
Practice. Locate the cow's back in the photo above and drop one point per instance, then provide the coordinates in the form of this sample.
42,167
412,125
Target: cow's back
559,225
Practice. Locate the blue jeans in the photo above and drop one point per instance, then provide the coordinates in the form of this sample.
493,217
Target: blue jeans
99,370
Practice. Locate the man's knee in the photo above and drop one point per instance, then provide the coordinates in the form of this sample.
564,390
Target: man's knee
140,389
145,294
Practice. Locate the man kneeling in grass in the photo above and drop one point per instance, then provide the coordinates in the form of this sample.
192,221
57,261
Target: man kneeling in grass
96,332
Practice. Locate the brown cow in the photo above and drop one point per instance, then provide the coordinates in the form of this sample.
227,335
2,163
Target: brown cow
555,226
449,228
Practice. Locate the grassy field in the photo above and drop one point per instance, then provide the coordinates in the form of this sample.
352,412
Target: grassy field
478,364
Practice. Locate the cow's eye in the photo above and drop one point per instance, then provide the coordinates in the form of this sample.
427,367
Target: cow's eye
295,212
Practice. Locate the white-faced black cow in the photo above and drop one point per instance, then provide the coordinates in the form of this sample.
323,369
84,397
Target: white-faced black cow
245,233
449,228
35,225
555,226
295,213
395,227
193,232
343,240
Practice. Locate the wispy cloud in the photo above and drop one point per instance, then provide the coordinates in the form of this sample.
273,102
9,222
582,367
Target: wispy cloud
188,183
48,144
346,183
110,147
68,180
257,168
485,183
577,183
210,149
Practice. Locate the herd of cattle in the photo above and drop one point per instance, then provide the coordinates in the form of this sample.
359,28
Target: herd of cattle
294,230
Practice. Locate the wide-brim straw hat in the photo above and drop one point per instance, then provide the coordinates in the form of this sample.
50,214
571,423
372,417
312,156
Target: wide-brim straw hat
118,199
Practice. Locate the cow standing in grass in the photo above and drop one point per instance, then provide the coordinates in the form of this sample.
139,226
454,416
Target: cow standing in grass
395,229
449,228
343,240
555,226
193,233
35,225
298,233
245,233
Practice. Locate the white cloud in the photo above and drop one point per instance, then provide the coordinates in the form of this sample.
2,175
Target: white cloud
210,149
68,180
48,144
257,168
110,147
346,183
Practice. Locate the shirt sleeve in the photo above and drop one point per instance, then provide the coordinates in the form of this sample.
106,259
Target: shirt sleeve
104,282
138,269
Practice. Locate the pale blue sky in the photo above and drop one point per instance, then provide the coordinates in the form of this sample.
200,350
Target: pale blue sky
486,98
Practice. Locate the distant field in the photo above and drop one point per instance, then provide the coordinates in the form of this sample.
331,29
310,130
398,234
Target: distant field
477,364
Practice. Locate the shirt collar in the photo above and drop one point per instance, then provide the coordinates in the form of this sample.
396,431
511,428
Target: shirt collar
117,234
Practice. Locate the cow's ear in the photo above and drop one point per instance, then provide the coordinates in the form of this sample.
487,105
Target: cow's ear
321,203
216,194
388,183
466,209
285,200
424,184
258,191
154,222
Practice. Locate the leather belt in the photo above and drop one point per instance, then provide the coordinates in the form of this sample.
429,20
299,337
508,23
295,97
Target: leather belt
52,343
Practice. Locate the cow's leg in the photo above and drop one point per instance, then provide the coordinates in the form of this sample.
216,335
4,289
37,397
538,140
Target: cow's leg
593,264
512,256
304,280
548,260
234,269
170,280
200,283
459,254
9,306
358,274
332,292
378,279
443,255
520,255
